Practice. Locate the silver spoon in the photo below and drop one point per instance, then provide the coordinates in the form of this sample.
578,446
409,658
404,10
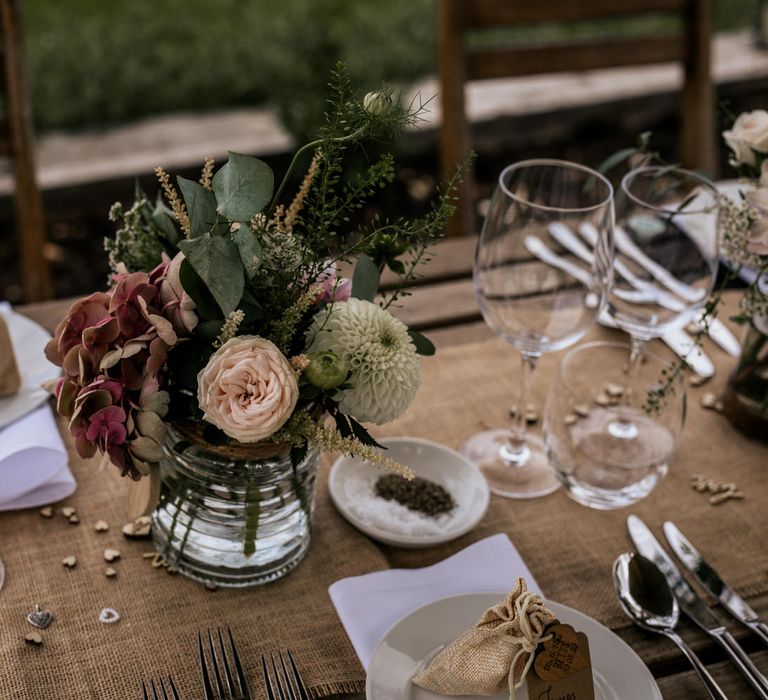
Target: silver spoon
647,600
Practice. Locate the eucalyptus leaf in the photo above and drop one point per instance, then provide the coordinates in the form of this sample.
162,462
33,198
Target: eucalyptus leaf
192,284
216,260
424,346
250,250
365,279
201,206
2,574
616,158
243,187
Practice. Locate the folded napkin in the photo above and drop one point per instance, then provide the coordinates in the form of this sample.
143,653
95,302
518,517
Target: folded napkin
369,605
10,378
34,467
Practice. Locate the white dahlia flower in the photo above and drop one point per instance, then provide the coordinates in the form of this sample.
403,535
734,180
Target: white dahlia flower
379,352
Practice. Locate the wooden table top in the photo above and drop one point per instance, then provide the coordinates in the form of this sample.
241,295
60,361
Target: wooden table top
443,304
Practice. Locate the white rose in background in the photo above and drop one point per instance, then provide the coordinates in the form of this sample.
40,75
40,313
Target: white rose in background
748,134
757,239
377,349
248,388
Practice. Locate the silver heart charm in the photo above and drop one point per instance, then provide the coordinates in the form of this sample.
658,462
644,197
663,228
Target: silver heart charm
40,618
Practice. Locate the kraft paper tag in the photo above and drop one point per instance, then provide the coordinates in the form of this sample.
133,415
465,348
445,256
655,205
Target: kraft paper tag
562,668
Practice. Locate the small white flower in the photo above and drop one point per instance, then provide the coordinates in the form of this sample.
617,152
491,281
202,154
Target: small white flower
379,352
377,103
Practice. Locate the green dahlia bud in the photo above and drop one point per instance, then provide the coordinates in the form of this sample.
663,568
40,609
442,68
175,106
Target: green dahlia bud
377,103
325,369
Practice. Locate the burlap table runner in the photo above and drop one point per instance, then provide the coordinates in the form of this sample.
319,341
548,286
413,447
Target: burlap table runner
569,548
82,658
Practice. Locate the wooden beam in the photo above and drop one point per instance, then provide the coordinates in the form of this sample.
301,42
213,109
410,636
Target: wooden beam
698,148
483,65
5,142
30,224
495,13
454,129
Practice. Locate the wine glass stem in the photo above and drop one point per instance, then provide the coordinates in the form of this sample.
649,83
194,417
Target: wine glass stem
635,360
517,451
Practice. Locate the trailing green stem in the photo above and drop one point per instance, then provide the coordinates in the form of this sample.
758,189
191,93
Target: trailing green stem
297,156
252,513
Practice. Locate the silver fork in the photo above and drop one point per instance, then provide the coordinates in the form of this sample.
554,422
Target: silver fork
280,686
231,684
145,690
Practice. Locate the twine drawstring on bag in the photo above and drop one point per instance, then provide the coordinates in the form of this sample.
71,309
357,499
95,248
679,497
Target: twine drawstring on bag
528,639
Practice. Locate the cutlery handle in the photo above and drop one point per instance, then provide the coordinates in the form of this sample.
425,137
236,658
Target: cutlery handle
760,629
709,682
739,657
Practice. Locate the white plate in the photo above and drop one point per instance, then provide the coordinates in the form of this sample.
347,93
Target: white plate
28,339
410,644
438,463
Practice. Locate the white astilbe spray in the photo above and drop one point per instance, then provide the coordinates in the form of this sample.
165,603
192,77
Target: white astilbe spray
379,352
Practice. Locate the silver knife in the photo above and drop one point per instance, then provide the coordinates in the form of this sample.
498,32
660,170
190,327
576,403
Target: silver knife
646,544
711,581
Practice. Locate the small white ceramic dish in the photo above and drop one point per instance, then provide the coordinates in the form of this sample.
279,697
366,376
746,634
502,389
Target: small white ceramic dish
408,647
429,460
29,341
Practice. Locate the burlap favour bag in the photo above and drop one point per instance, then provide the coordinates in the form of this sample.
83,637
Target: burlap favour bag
494,654
10,379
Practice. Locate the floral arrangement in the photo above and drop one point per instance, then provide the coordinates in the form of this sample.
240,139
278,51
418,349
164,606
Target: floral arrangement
743,228
745,224
745,247
226,305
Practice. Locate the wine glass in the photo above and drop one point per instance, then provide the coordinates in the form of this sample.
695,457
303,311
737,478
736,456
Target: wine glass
537,296
666,262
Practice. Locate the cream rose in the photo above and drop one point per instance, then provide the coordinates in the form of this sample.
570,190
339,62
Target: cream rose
247,389
757,241
749,133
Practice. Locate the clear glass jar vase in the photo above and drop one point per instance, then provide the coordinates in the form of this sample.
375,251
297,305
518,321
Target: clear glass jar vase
745,402
232,516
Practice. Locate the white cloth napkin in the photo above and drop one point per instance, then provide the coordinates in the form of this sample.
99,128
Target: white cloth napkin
369,605
34,467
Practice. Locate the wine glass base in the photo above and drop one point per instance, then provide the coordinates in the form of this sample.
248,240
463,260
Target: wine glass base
531,478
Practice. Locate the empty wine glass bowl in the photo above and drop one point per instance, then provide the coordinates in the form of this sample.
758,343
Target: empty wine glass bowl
597,468
530,290
537,296
666,249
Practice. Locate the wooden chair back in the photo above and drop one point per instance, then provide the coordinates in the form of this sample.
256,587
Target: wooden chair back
458,63
17,143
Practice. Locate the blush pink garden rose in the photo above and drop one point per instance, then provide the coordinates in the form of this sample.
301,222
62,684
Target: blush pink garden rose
248,389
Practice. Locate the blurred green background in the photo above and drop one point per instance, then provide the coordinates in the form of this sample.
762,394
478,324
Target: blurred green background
93,63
